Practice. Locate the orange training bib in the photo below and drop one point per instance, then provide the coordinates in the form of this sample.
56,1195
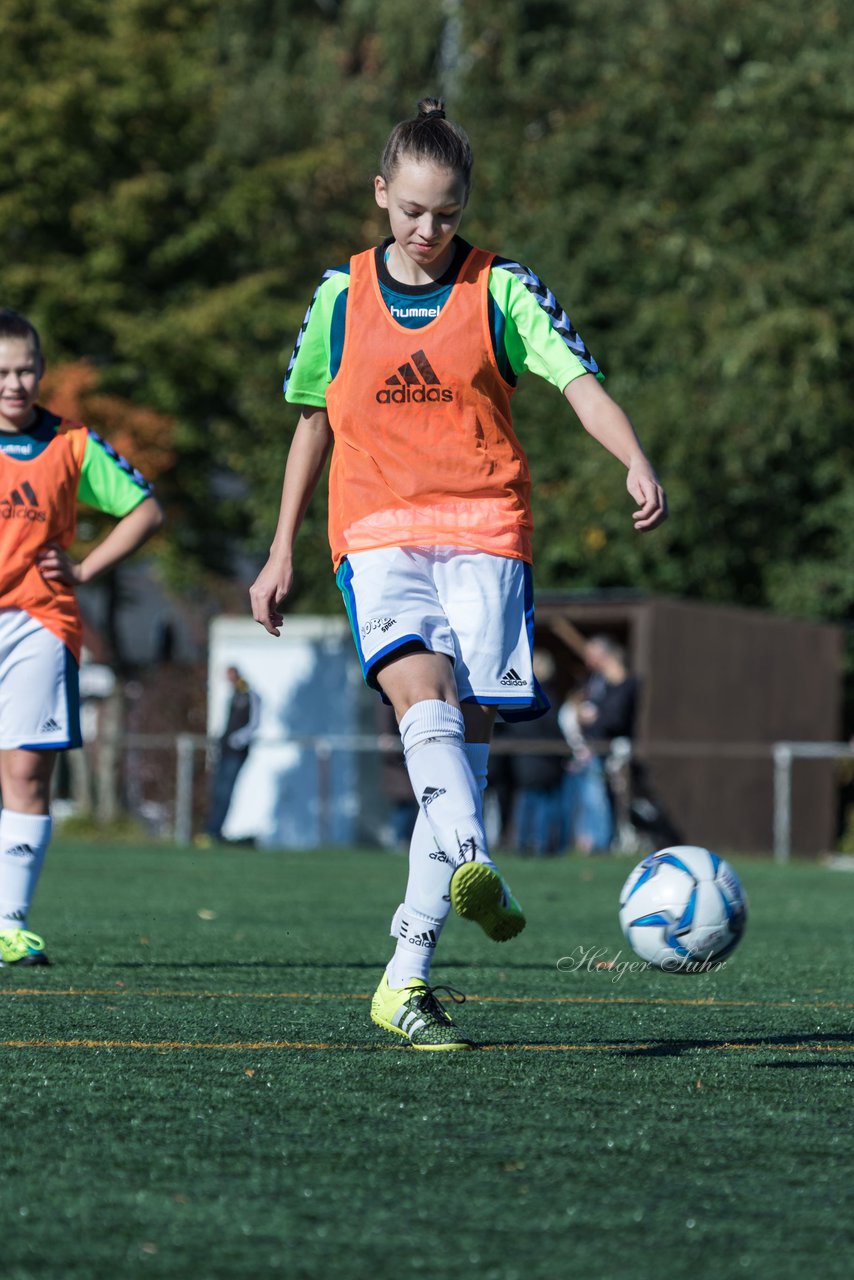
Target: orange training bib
425,453
38,504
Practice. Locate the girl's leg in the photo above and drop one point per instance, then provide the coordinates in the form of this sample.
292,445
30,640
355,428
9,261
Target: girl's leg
422,914
25,829
448,776
422,691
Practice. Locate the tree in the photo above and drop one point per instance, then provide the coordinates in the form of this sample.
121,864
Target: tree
181,175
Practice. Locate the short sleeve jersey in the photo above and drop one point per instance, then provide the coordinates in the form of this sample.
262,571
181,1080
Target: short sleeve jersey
44,473
431,457
529,328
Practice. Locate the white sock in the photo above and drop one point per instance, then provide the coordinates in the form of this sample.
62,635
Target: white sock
416,936
430,868
434,747
24,838
419,920
478,758
430,871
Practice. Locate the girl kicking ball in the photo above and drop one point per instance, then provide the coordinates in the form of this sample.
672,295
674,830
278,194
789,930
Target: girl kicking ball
404,368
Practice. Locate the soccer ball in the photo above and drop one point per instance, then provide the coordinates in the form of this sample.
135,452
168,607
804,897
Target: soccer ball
683,909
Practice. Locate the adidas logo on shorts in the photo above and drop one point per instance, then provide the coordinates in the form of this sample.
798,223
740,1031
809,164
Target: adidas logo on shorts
415,382
50,726
512,677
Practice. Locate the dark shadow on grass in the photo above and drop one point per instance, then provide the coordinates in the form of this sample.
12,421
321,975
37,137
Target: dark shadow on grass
675,1048
818,1060
287,965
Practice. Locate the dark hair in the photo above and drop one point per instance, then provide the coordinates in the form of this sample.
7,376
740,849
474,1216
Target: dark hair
14,325
429,137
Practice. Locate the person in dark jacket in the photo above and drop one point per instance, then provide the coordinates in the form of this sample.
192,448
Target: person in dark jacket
244,713
606,712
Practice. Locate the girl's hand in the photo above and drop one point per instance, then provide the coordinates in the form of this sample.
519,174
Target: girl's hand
642,483
267,593
55,565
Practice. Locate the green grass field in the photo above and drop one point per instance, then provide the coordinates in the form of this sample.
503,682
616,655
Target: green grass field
195,1089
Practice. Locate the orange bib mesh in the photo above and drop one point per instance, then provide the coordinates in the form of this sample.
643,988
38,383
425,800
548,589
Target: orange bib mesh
425,453
38,504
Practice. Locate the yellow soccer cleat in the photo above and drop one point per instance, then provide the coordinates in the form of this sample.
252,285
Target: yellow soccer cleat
20,947
415,1013
478,893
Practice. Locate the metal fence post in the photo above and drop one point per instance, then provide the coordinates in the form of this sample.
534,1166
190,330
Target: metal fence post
323,759
782,801
185,749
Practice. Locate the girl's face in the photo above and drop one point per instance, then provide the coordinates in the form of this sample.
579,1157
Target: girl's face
21,369
425,205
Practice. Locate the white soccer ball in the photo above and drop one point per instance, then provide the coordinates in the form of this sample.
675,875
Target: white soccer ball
683,909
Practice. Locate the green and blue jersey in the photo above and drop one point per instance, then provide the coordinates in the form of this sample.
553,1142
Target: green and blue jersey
108,482
529,329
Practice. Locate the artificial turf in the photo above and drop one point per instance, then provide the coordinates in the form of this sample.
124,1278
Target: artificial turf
195,1089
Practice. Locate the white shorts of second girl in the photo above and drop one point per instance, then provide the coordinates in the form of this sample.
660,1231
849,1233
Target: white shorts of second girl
475,607
39,687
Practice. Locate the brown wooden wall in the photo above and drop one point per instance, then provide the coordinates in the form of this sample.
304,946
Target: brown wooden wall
736,679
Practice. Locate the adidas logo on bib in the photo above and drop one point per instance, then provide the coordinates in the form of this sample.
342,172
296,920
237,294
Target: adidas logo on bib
22,504
415,382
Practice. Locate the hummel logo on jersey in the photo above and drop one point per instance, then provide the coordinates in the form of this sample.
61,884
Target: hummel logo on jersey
21,504
430,794
50,726
415,382
21,851
512,677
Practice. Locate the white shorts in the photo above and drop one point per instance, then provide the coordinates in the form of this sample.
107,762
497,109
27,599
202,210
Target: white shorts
475,607
39,687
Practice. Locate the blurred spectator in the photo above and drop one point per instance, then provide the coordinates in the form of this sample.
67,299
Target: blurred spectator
538,778
604,711
244,714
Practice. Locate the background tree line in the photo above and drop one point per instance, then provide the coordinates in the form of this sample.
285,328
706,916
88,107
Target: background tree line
175,177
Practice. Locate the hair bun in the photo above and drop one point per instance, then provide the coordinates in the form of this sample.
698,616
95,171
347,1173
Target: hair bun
431,109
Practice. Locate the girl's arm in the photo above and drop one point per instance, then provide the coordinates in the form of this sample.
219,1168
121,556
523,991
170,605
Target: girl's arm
124,538
605,421
306,460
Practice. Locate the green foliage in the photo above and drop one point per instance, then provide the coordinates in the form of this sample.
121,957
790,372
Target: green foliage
177,176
